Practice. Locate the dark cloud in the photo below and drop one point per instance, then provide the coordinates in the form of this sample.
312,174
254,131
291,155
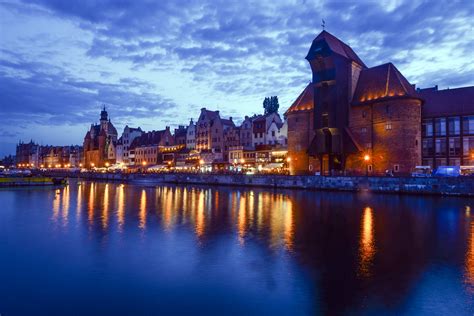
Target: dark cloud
55,97
245,49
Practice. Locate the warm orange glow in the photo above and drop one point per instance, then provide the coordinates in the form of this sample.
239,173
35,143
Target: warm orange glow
80,165
120,207
366,157
366,245
105,210
142,214
288,159
201,162
469,265
107,164
42,166
92,164
242,160
144,163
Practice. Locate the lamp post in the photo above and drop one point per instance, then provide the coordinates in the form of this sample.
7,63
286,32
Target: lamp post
366,159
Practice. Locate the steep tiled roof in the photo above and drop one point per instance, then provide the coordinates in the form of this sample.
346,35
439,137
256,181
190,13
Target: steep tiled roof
304,102
337,46
458,101
381,83
148,139
227,122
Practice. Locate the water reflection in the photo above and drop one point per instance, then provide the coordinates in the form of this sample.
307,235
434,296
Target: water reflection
366,248
358,241
120,206
142,213
470,251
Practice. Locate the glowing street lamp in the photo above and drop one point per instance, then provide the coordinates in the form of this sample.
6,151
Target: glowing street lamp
288,159
366,159
201,162
92,164
107,164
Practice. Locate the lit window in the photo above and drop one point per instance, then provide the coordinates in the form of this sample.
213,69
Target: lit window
388,126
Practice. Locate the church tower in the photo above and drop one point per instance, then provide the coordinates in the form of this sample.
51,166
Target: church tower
104,118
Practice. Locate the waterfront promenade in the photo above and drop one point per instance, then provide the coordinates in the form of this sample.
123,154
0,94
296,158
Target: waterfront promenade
453,186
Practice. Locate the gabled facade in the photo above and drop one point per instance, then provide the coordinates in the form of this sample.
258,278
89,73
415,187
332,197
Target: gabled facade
97,141
355,119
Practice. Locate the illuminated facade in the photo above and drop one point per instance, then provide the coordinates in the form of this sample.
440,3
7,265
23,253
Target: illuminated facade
97,142
355,119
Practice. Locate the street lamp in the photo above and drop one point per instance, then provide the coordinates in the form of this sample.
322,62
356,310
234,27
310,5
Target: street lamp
366,159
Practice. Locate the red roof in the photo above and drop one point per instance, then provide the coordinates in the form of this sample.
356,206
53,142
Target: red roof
338,47
447,102
381,83
304,102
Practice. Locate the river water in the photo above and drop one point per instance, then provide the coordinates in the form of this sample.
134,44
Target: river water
113,249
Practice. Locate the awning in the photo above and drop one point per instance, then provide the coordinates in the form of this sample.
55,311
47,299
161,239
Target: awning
157,167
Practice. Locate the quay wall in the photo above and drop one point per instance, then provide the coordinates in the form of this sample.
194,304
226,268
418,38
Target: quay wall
460,186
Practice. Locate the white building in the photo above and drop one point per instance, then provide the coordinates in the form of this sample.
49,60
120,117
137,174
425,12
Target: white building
261,127
128,135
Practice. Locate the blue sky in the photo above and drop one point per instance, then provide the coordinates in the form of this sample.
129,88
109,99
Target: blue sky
156,63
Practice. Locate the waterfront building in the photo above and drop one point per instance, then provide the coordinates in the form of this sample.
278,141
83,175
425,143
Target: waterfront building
180,134
146,147
261,126
97,141
210,129
27,154
356,119
123,145
191,136
447,127
231,138
246,132
277,134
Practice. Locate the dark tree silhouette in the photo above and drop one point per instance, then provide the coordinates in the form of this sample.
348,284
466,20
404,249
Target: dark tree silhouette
271,105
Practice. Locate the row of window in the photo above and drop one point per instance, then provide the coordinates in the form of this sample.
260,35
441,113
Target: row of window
450,146
451,126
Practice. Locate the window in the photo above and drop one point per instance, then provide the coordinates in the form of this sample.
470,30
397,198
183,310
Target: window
273,133
455,146
427,128
396,168
364,113
387,109
388,126
454,126
427,147
440,126
440,147
363,130
369,168
325,120
468,146
468,124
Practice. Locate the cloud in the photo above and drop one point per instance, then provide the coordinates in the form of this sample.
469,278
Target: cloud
61,60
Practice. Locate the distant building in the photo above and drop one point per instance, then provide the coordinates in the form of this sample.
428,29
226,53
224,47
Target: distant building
123,145
180,134
261,127
147,147
191,136
210,129
447,126
246,132
27,153
97,142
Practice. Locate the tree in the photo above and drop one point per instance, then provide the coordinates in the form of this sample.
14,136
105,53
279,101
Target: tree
271,105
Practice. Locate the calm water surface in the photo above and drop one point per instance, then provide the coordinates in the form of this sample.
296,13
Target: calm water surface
113,249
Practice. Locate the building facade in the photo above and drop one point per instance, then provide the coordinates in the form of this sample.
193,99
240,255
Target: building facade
356,119
147,147
97,141
447,127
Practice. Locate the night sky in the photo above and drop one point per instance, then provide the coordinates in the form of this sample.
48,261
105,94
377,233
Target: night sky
156,63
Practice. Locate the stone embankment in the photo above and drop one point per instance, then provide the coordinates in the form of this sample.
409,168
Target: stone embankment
460,186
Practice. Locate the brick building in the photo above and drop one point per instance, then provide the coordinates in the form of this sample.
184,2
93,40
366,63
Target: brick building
97,141
146,148
352,118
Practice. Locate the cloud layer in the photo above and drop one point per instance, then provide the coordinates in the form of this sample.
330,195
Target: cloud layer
155,63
